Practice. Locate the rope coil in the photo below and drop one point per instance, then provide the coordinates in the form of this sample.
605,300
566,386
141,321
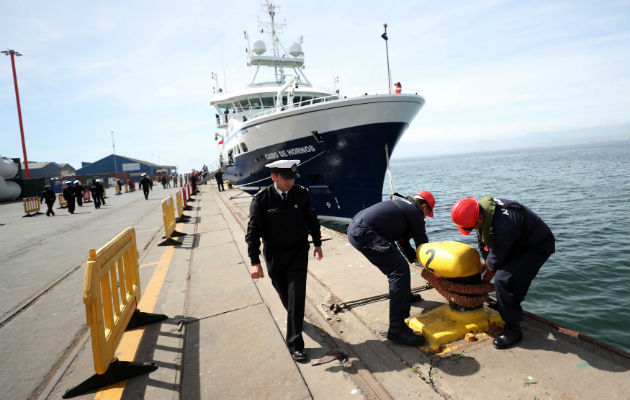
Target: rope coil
465,295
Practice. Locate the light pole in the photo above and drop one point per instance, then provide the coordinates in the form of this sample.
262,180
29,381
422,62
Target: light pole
114,148
14,53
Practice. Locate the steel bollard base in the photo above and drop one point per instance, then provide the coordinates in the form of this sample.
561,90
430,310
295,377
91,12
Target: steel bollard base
116,372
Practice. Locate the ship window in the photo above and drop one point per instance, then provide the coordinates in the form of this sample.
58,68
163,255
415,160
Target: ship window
268,102
284,100
244,147
306,100
317,100
296,100
255,103
230,157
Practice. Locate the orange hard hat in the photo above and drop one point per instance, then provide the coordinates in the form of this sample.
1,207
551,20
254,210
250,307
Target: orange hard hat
428,197
464,213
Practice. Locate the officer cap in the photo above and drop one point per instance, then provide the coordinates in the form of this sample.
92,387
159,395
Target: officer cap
77,181
143,174
285,168
46,186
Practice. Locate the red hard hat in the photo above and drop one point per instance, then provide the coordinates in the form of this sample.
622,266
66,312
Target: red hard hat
426,195
464,213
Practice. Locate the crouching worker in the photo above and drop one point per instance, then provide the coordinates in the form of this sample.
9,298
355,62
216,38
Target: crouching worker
515,243
375,231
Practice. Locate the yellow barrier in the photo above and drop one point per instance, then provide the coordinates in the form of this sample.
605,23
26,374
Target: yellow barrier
180,207
111,291
62,202
113,266
126,187
168,215
117,189
31,205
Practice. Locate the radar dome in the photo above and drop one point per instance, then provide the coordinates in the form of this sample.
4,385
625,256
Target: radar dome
295,49
258,47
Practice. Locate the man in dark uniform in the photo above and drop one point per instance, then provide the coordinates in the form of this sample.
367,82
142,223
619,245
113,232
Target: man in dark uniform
78,192
374,232
514,243
193,181
100,191
282,215
218,176
94,191
49,197
68,195
145,182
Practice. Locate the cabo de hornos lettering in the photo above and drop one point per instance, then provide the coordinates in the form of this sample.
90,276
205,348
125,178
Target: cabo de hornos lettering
290,152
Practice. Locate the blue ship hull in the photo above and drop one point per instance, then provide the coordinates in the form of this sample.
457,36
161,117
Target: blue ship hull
343,169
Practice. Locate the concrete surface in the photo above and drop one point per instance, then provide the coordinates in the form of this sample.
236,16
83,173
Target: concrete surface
224,335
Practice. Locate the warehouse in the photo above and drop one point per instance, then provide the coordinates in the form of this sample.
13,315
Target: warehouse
117,163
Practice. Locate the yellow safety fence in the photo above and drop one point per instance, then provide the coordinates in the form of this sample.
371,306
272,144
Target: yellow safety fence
31,205
62,201
111,291
117,189
180,207
126,187
168,214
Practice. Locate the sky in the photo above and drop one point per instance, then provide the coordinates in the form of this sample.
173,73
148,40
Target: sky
492,72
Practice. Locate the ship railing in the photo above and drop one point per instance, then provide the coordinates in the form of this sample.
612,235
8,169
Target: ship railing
305,103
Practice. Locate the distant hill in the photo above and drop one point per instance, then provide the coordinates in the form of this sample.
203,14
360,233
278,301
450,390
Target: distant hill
437,146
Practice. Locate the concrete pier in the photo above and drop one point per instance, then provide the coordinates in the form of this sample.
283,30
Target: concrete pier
224,336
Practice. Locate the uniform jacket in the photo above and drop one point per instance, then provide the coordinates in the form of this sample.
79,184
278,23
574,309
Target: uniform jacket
145,183
48,196
397,220
68,194
281,225
78,190
515,230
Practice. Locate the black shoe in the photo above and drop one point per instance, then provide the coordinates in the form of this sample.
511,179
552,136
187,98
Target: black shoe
300,356
415,298
402,334
512,334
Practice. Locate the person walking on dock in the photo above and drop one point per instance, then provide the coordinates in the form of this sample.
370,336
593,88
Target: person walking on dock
514,243
282,215
375,232
218,176
49,197
68,195
145,182
78,192
94,191
100,191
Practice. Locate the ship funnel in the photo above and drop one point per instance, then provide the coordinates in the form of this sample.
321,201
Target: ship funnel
259,47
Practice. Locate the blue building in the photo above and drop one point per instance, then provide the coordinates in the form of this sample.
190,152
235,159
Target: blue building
121,164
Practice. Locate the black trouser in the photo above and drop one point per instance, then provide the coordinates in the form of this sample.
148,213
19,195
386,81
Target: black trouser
101,198
79,200
50,208
146,193
71,205
220,186
97,203
287,269
388,259
512,282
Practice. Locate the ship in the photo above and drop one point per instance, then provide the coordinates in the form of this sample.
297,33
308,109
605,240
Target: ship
343,143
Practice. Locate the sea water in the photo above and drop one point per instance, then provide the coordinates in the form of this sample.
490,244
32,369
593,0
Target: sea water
582,192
